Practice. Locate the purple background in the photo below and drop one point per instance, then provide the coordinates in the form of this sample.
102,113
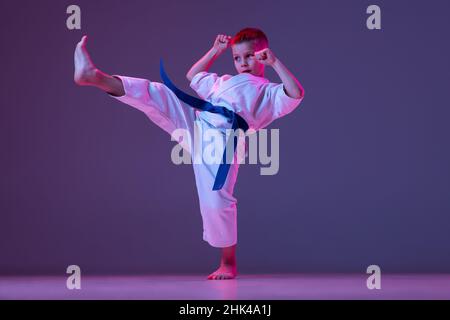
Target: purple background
364,174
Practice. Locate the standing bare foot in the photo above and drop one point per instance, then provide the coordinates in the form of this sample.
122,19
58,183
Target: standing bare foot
228,267
85,71
225,272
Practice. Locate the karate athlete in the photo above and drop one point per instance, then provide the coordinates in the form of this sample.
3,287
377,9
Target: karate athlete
247,94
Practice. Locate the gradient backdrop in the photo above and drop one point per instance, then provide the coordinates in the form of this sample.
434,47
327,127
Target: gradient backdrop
364,175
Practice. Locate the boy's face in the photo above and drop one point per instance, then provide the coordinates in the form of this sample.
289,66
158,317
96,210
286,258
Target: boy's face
244,58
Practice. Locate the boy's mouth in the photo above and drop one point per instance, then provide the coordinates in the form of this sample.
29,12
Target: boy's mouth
247,71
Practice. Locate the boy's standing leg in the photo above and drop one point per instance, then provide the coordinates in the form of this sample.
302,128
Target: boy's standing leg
218,207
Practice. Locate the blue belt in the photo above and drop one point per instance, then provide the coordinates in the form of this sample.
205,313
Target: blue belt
236,120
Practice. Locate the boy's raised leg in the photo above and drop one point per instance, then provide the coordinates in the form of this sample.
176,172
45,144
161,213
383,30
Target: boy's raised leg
86,74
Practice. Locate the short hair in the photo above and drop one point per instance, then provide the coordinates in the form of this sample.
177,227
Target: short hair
253,35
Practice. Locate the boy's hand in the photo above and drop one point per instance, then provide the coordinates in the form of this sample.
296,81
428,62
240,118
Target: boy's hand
221,43
265,57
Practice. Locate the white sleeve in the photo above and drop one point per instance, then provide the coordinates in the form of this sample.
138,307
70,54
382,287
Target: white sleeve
280,103
203,83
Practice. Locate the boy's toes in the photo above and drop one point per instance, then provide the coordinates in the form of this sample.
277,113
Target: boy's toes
213,276
82,42
221,276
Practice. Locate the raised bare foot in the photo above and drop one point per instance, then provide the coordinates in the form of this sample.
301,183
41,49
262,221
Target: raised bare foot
85,70
225,272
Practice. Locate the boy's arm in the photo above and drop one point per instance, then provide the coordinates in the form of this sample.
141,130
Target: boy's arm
292,86
220,45
203,64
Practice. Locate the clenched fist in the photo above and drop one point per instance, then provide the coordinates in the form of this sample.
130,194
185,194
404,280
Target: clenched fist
265,57
221,43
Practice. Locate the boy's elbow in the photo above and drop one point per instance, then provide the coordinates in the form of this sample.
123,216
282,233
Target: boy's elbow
302,93
189,76
298,95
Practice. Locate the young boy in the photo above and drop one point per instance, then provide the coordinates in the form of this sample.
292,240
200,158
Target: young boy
248,94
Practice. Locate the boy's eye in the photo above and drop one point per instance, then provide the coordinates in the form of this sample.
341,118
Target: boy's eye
248,55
